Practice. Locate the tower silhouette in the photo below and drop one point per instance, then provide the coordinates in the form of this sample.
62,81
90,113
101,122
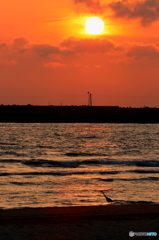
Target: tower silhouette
89,99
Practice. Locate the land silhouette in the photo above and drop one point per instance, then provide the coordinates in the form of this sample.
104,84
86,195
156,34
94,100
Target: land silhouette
79,114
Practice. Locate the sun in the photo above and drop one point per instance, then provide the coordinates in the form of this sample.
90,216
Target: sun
94,25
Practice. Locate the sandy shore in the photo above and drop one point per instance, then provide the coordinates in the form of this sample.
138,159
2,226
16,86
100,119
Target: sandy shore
79,223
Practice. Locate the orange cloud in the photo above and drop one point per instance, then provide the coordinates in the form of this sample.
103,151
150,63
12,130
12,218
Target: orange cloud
139,51
3,45
21,45
147,11
20,42
67,51
91,46
7,62
94,6
45,50
54,64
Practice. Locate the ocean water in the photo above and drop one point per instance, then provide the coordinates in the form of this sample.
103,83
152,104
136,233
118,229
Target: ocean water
68,164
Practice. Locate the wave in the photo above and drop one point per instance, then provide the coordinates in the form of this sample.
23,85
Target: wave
36,174
127,179
145,171
45,147
88,162
148,163
132,202
51,163
67,164
140,163
90,136
58,173
109,172
10,161
139,179
8,144
78,154
13,153
5,174
140,202
105,180
151,178
65,173
24,183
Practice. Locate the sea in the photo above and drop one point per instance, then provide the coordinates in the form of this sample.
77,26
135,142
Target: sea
69,164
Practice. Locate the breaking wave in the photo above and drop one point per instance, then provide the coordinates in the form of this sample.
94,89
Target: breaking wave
59,173
87,162
145,171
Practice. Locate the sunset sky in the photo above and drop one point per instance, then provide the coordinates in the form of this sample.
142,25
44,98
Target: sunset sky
46,56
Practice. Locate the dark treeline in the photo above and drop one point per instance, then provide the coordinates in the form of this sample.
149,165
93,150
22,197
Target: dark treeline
92,114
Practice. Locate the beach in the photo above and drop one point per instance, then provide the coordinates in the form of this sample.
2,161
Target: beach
79,223
52,175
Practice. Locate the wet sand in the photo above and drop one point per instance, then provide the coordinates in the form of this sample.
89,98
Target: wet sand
79,223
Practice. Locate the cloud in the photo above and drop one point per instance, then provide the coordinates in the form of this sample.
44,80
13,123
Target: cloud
20,42
73,50
149,51
95,5
7,62
91,46
3,45
89,3
20,45
54,64
92,5
45,50
147,11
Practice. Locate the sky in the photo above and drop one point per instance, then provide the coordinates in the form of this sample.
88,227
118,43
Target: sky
48,58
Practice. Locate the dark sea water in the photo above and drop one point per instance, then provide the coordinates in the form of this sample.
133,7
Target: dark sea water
57,164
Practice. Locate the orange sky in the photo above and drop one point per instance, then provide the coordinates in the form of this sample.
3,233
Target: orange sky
46,57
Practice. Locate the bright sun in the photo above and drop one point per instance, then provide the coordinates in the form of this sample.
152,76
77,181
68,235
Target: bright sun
94,25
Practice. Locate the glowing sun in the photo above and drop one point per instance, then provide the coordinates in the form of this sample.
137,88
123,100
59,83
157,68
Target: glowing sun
94,25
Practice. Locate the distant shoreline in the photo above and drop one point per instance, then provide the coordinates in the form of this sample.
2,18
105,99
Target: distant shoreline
77,114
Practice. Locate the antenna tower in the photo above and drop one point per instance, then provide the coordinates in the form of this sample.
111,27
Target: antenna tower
89,99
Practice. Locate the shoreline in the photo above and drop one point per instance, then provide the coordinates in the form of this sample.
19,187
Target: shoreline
140,210
79,223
